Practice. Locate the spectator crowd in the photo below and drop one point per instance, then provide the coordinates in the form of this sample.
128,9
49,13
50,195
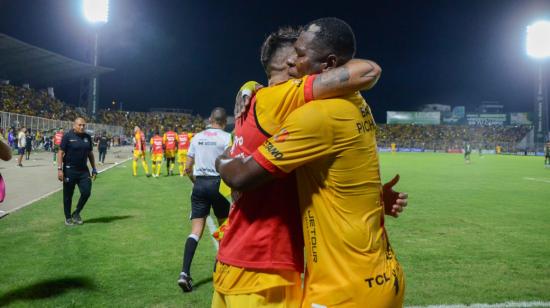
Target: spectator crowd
27,101
445,137
39,103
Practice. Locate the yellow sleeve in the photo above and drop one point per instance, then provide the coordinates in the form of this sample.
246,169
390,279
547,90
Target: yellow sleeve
164,138
274,104
249,87
305,136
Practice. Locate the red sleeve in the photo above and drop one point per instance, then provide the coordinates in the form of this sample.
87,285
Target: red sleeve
308,88
267,165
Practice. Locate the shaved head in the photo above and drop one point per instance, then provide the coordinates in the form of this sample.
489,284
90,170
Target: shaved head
218,116
79,125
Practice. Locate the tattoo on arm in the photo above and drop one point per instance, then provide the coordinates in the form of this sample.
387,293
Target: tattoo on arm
334,77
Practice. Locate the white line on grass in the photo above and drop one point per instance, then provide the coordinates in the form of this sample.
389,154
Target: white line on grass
536,180
2,213
212,228
498,305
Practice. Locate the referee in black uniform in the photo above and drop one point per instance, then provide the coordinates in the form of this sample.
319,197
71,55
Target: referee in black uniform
72,169
102,146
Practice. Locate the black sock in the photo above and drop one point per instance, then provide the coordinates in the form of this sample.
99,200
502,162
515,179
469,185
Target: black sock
190,247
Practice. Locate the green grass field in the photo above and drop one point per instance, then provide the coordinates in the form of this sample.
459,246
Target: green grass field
477,233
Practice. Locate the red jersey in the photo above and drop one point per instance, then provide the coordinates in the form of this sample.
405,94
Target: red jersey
170,139
57,138
265,230
184,141
156,145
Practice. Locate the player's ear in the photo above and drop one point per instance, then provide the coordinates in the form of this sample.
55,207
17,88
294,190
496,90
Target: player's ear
330,62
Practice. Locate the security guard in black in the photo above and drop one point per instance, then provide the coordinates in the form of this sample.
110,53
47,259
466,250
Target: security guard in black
75,150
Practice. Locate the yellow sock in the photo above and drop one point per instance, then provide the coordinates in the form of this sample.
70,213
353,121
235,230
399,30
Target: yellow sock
181,168
144,164
172,166
158,169
134,167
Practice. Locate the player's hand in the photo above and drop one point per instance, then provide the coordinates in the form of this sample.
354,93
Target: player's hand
242,101
94,174
394,202
60,175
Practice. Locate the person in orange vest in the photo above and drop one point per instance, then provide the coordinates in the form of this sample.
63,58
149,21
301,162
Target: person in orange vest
156,149
56,142
170,142
184,140
139,151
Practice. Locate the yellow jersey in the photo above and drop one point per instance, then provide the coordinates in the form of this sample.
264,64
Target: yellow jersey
331,144
274,104
271,106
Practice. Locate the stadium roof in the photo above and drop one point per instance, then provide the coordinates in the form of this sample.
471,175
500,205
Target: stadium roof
22,62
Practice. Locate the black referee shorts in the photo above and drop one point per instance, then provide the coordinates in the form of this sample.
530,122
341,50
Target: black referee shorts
206,194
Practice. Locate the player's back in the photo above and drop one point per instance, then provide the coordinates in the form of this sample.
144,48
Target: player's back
349,260
206,146
156,144
169,139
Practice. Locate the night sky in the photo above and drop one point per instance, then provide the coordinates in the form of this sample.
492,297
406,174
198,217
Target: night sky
196,54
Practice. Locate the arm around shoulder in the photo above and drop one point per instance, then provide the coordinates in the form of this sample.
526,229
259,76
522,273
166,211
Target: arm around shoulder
355,75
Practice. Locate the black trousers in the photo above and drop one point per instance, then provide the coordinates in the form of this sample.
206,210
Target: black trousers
72,178
102,153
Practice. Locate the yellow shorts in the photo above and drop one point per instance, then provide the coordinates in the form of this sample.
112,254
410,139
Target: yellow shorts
182,156
156,158
386,290
139,154
236,287
170,153
277,297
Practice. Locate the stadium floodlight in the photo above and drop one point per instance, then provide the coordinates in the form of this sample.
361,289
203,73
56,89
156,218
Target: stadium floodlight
96,11
538,47
538,39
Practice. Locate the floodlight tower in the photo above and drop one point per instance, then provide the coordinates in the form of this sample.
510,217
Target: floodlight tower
538,47
96,12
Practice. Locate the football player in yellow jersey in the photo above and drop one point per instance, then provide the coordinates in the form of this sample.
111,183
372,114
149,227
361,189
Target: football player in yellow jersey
170,141
139,151
156,149
184,141
332,147
254,287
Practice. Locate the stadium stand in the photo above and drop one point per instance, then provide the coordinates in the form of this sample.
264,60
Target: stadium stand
450,137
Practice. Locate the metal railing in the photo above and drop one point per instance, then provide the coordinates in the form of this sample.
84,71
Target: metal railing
9,120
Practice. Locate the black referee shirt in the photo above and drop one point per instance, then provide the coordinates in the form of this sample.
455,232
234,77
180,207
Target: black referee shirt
103,142
76,148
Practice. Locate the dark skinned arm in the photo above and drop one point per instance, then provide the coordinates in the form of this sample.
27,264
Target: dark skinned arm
242,174
355,75
5,150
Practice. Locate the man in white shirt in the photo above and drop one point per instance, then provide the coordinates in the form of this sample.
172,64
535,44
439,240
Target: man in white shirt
21,144
205,147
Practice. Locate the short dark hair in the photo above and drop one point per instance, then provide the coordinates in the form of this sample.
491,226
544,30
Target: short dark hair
334,36
219,116
283,37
